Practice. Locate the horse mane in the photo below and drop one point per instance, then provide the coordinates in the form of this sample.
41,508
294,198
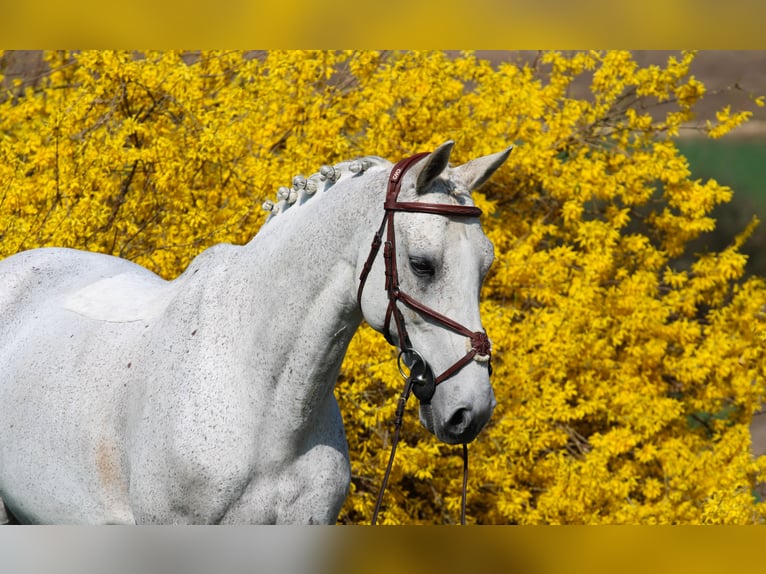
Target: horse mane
304,188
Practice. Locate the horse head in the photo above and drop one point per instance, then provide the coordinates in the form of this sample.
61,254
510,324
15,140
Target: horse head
434,260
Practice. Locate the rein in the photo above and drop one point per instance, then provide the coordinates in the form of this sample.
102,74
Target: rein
420,381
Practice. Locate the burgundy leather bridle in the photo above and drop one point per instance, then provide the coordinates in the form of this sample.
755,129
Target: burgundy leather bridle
420,380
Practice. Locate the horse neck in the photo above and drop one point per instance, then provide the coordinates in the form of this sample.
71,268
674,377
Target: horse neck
302,268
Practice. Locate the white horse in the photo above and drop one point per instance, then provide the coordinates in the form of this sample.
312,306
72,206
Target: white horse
125,398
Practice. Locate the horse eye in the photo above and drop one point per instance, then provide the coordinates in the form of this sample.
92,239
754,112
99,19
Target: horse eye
422,267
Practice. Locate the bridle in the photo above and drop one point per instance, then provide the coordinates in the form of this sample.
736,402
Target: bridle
420,381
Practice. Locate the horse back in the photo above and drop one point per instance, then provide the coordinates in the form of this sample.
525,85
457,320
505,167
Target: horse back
94,285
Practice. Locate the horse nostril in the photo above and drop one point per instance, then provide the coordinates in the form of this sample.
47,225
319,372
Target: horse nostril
459,421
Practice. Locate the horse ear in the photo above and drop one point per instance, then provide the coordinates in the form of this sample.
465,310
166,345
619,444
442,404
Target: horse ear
477,171
434,164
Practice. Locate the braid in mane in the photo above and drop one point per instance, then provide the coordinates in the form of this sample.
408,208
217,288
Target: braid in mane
304,188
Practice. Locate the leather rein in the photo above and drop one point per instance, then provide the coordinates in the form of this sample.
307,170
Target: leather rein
420,380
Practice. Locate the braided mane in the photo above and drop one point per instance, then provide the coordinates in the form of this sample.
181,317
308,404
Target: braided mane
304,188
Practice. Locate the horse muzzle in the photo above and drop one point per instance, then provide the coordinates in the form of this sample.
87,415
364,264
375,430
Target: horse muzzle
461,425
457,425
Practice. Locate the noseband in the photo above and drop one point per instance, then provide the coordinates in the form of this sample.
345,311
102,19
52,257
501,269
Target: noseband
420,381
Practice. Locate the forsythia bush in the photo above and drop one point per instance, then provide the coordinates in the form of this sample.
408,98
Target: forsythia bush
627,369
